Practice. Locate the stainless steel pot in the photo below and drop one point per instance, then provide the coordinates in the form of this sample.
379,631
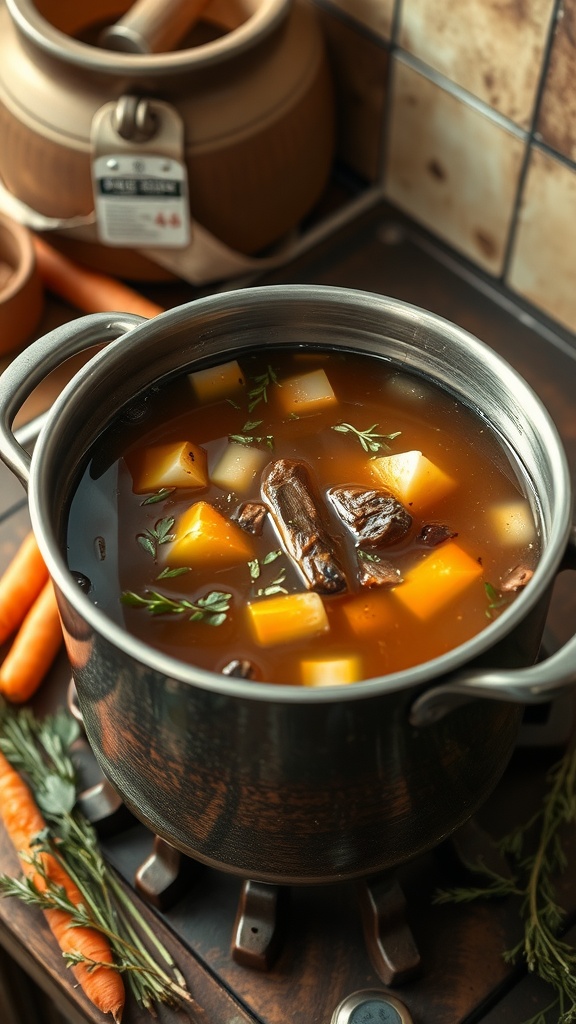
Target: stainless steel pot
277,783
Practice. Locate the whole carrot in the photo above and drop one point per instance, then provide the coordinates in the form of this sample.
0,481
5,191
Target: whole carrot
86,289
33,649
23,821
20,585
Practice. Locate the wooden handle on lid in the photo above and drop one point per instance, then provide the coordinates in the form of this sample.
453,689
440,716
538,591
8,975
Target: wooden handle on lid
152,26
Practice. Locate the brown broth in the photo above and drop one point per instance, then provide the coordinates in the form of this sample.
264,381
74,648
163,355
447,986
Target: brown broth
107,520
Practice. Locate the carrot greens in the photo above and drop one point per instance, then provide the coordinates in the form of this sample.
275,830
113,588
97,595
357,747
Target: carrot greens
40,751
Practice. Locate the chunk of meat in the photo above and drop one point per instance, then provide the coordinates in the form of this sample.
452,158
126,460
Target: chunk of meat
287,492
516,579
433,534
381,573
250,516
374,516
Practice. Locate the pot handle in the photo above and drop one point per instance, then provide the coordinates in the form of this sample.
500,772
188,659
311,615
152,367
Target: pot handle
35,362
535,684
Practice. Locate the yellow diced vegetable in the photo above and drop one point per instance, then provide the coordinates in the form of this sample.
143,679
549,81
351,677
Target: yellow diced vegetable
369,614
288,617
179,464
412,478
305,394
205,537
438,579
217,382
332,672
513,523
238,466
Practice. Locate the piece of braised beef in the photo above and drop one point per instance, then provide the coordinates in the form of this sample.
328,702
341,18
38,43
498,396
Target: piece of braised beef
250,516
288,493
381,573
374,516
435,533
517,578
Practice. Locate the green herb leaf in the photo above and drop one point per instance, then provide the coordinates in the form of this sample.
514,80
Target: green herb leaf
259,392
370,441
275,587
159,534
160,495
168,573
496,600
254,568
212,609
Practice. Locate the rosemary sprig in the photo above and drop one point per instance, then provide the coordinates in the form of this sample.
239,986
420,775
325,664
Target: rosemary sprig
159,534
40,750
370,441
534,874
212,609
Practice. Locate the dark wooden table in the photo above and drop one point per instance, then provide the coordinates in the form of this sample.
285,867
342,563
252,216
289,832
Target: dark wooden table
465,978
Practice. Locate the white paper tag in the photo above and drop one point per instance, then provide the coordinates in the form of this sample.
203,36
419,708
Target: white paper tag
141,200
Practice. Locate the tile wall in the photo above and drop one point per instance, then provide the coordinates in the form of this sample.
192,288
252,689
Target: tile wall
463,114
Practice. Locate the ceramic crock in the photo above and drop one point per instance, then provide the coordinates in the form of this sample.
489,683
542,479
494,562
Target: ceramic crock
278,783
246,110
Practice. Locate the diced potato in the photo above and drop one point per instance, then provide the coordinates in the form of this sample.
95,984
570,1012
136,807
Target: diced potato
412,478
513,523
288,617
238,466
217,382
331,672
205,537
438,579
179,464
307,393
369,614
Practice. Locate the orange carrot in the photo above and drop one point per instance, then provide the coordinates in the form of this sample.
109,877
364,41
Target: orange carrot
33,649
23,820
20,585
86,289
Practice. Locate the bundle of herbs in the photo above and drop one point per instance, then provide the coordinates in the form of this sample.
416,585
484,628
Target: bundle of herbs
102,934
535,852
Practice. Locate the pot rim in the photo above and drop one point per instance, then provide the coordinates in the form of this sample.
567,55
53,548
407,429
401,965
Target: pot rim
416,677
268,15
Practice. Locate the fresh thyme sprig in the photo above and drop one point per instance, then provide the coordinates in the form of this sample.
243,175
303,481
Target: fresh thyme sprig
245,437
370,441
535,871
40,751
159,534
212,609
259,392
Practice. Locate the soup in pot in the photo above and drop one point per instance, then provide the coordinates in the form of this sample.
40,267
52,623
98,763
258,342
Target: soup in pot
302,517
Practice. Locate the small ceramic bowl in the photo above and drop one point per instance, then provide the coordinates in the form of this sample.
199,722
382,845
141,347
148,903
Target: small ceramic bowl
21,294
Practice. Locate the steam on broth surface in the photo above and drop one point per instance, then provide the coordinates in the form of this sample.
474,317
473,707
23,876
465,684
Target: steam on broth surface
303,517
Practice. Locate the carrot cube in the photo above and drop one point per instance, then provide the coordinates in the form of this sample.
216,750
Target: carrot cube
412,478
238,467
288,617
305,394
205,537
179,464
332,671
437,580
217,382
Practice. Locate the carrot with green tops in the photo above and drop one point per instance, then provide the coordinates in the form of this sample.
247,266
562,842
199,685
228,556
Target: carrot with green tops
85,289
23,821
20,585
33,649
